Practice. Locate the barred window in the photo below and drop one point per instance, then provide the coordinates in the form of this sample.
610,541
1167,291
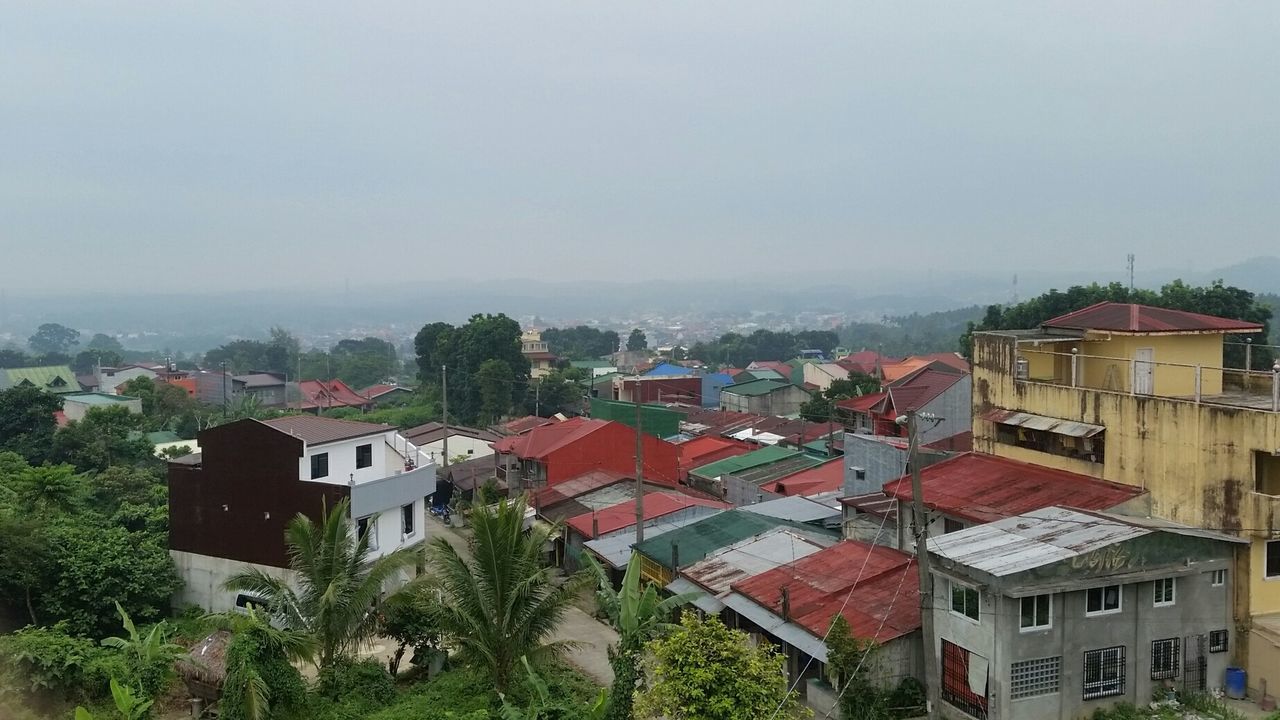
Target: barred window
1164,658
1030,678
1104,672
1217,641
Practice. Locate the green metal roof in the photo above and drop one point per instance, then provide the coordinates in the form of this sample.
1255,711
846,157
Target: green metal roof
755,387
608,377
697,540
163,436
764,456
99,399
654,419
52,378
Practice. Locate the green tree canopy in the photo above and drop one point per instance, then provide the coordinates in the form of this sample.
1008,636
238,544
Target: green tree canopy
27,424
706,671
106,436
361,363
106,343
52,338
464,349
11,357
581,342
637,340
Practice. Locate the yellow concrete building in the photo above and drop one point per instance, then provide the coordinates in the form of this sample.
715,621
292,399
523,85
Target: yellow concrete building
1139,395
534,348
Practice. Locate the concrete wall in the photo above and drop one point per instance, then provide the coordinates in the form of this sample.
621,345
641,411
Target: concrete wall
1199,608
109,381
741,492
781,402
459,445
203,577
955,407
77,410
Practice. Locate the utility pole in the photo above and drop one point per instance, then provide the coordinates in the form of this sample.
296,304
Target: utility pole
639,468
444,405
921,531
224,390
1131,259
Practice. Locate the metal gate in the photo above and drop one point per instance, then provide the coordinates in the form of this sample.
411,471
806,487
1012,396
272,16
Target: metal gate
1194,664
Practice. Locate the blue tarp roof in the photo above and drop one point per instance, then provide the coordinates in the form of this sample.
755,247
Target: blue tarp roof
669,369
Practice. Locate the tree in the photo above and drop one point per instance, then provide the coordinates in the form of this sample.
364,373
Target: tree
706,671
92,566
27,424
164,406
150,655
493,380
11,357
361,363
639,616
24,563
558,391
410,617
105,343
581,342
822,406
636,340
336,579
502,604
52,338
261,681
463,350
105,437
86,361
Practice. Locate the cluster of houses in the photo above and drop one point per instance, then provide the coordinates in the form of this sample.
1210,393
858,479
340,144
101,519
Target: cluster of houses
1099,495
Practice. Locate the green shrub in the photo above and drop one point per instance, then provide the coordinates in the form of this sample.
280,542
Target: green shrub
53,663
365,683
452,695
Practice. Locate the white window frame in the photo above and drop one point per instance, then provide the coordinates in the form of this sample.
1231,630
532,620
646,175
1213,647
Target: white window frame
413,518
1218,578
1103,686
1035,599
1157,593
1105,610
952,586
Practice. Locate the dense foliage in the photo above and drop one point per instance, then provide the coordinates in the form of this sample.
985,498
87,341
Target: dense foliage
27,424
581,342
357,362
706,671
485,342
821,407
636,340
736,350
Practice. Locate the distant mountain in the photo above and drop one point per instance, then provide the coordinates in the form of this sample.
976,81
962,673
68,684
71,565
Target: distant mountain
1260,274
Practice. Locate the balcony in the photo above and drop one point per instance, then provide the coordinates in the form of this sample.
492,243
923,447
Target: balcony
1146,376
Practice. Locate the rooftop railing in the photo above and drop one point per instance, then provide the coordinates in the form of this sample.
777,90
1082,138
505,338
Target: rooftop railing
1236,387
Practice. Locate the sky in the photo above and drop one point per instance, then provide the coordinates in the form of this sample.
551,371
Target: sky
187,146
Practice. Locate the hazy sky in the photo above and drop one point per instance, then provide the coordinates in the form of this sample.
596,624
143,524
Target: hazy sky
215,145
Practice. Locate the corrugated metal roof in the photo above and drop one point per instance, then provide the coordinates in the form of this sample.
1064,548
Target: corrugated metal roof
623,514
755,387
615,550
782,468
315,430
874,584
795,508
1031,540
1134,318
741,560
1042,422
50,378
984,488
728,466
824,477
541,440
697,540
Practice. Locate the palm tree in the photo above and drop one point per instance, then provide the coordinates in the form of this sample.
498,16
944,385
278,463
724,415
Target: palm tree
259,656
639,615
337,583
502,604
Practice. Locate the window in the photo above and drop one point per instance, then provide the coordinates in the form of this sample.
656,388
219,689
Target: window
319,466
950,526
1082,448
1030,678
1037,612
964,679
1104,672
1273,559
1217,641
1103,600
1163,592
406,519
364,456
964,601
1266,472
1218,578
1164,659
368,527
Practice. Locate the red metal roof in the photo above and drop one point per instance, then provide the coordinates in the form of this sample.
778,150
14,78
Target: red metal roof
862,403
693,453
322,394
623,515
984,488
1134,318
537,443
921,387
314,430
876,586
526,423
818,479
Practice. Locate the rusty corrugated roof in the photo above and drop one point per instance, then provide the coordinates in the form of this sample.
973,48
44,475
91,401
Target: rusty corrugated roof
1135,318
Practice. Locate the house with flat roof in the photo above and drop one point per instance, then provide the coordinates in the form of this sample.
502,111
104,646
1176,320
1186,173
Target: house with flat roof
1059,612
76,405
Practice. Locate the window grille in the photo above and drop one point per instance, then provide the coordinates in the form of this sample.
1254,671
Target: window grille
1217,641
1164,658
1104,672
